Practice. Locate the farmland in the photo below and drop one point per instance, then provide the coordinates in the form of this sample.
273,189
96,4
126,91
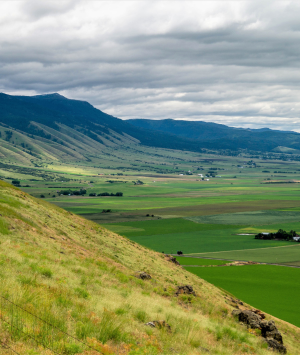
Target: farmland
176,210
274,289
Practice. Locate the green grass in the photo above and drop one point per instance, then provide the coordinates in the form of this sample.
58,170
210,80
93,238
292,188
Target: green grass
204,241
284,254
273,289
197,261
162,226
251,217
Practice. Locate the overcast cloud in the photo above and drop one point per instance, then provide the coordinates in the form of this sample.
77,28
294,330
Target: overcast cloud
236,63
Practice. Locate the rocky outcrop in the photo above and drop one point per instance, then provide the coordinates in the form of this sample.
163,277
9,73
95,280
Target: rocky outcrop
270,331
234,302
172,259
250,318
275,345
185,290
143,276
160,324
254,319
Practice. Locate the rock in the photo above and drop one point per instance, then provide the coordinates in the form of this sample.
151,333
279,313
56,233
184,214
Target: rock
251,319
260,313
172,259
270,331
234,302
185,290
150,324
161,324
143,276
275,345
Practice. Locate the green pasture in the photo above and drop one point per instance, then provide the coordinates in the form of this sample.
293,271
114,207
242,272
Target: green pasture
179,204
201,262
273,289
251,217
284,254
204,241
161,226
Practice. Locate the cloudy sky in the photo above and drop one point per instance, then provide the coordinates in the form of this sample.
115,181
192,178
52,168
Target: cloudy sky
230,62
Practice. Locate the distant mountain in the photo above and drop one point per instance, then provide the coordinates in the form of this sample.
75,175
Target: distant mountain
218,136
54,128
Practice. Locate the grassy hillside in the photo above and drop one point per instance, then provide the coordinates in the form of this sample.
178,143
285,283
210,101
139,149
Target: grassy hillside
80,277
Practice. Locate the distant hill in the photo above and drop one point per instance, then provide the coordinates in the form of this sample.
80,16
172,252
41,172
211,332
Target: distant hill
53,128
218,136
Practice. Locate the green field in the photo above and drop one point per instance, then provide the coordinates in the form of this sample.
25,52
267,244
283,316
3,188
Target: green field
194,238
215,219
251,217
289,254
273,289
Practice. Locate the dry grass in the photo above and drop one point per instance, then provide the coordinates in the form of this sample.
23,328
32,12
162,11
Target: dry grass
80,277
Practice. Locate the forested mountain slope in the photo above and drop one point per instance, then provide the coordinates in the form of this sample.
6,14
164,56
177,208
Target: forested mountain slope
218,136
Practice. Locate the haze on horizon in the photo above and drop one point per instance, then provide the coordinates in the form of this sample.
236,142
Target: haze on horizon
235,63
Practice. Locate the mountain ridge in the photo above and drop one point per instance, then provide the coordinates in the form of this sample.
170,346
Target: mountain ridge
54,126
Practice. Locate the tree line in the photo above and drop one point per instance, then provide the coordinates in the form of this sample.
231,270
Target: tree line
281,234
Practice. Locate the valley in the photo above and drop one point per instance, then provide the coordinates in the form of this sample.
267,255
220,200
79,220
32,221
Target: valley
100,209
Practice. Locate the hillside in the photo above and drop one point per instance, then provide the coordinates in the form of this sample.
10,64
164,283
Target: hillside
81,279
218,136
54,128
51,128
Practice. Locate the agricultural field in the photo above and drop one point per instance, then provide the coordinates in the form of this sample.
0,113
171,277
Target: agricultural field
167,207
273,289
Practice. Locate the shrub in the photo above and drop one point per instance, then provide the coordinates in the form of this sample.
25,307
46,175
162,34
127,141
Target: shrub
110,328
82,293
72,349
141,315
46,272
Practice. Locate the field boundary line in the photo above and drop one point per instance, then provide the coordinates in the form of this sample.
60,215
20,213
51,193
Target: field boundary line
5,346
229,251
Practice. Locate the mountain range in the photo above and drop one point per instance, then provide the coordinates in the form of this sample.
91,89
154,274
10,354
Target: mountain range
218,136
56,128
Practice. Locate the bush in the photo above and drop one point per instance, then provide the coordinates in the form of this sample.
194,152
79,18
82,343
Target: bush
110,328
82,293
46,272
141,316
71,349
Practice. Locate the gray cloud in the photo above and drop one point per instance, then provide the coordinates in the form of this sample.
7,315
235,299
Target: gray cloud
235,63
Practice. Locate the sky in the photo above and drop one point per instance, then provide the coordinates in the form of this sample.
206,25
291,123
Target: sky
230,62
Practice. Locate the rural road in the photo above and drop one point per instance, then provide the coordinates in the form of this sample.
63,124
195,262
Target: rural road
199,257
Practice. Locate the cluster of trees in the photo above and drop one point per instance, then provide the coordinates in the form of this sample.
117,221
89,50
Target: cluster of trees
106,194
138,182
281,234
73,192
